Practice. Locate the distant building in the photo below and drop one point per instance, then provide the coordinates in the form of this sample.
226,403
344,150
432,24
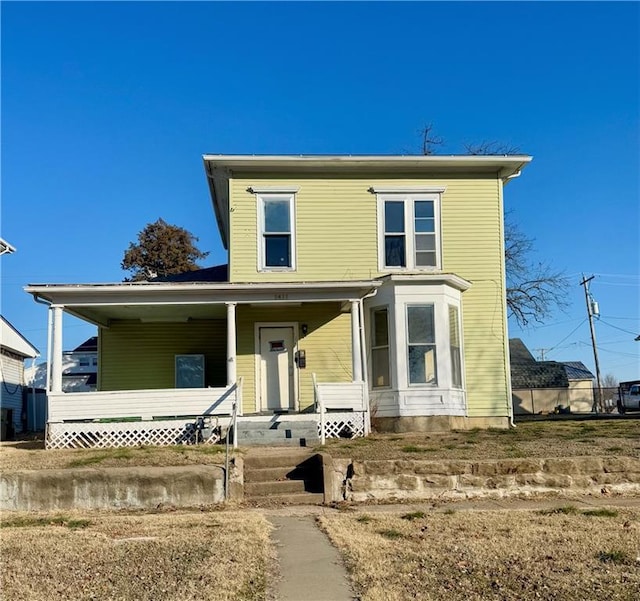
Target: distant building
542,386
14,349
79,369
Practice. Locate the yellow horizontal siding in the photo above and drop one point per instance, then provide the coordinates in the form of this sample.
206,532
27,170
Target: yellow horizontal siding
327,345
135,356
337,239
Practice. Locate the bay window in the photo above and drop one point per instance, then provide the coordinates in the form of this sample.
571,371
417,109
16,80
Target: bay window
380,348
421,344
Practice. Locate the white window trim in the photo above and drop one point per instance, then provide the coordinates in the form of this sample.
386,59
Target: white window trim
436,333
409,196
388,346
260,198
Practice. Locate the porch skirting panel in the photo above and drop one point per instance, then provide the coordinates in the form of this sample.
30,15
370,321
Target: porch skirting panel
350,424
131,434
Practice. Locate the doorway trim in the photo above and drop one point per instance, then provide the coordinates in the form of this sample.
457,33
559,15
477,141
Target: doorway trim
260,402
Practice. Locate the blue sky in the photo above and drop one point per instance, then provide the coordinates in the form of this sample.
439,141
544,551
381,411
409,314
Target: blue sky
108,107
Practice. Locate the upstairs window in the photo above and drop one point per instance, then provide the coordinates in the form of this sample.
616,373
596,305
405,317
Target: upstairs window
409,230
277,236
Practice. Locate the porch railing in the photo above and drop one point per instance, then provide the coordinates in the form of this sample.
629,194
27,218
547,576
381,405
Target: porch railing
342,408
142,404
137,417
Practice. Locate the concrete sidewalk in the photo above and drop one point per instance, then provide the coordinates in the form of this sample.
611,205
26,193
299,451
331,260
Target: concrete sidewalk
311,569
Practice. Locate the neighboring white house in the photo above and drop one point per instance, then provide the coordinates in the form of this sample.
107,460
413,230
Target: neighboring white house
79,369
14,349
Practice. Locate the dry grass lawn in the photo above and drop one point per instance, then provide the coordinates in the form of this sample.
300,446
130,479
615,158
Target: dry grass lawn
567,555
529,439
221,555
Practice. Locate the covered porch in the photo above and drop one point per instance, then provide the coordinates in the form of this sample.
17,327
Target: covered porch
181,363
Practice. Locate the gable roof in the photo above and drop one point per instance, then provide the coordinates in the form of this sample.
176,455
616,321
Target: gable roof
88,346
577,370
14,341
518,351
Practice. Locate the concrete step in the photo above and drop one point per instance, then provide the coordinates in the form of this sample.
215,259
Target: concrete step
279,458
277,442
302,498
281,487
278,424
271,474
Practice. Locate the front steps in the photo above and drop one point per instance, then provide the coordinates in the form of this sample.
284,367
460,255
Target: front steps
279,430
283,477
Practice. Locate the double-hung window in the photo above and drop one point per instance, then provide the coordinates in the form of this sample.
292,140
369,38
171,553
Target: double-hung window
421,344
455,347
276,214
380,348
409,230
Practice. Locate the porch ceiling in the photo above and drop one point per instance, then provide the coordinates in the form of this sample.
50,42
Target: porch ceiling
163,302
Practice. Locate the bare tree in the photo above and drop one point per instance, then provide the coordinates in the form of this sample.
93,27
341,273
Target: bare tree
491,148
534,289
430,139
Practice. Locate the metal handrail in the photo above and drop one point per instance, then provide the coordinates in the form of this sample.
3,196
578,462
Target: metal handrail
233,423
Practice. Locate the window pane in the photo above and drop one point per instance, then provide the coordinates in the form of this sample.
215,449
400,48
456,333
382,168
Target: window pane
420,324
380,328
394,253
422,364
425,242
425,225
277,251
380,367
423,208
425,259
454,345
393,217
276,216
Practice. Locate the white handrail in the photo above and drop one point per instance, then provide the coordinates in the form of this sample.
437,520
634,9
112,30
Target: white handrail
320,407
234,417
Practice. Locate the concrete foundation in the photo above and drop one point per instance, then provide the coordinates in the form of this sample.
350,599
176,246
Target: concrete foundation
437,423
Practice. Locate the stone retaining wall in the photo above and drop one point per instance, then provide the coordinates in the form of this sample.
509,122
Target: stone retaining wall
112,488
405,479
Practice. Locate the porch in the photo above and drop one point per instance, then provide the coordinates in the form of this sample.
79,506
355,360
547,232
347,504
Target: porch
206,416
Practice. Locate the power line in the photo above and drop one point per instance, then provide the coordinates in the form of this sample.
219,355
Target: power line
555,346
617,328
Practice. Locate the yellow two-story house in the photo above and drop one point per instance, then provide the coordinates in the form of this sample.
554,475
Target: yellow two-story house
359,290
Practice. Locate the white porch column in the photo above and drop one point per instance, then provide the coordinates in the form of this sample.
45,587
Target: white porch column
231,343
356,351
56,349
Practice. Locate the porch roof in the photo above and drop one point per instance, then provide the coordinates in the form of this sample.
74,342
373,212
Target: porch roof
172,301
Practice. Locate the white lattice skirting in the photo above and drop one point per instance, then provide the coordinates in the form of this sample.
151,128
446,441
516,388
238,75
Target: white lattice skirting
343,425
125,434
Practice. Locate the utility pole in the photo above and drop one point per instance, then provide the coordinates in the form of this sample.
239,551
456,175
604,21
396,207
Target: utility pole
542,352
585,281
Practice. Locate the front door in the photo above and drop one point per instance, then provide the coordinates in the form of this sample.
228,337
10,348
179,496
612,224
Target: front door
276,368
